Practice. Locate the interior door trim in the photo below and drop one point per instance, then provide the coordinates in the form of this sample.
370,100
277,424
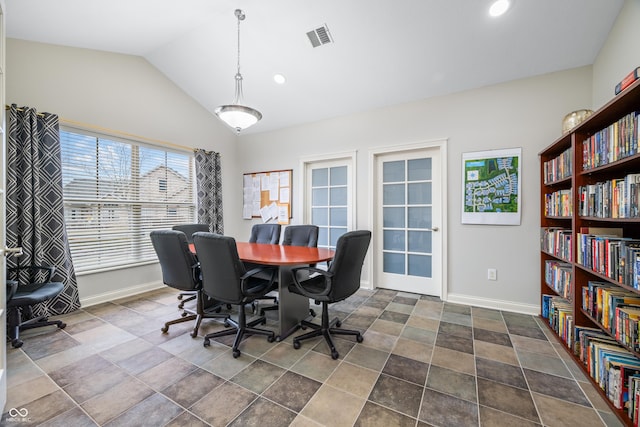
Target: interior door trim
374,153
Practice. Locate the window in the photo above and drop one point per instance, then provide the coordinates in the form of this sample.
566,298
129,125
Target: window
115,192
328,199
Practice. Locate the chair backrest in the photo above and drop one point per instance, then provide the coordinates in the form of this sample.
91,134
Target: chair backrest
189,229
220,266
179,265
265,233
347,263
301,235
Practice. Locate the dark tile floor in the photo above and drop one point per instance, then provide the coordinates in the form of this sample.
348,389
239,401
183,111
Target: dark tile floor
423,362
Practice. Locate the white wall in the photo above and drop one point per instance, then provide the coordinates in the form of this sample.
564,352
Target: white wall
126,94
619,55
109,90
525,113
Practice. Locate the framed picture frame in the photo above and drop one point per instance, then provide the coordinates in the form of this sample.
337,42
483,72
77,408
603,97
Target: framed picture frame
492,187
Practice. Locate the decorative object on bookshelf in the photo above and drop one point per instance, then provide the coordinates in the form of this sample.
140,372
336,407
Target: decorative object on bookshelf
628,79
590,247
574,118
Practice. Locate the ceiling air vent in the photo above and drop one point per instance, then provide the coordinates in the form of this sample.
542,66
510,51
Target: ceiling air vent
319,36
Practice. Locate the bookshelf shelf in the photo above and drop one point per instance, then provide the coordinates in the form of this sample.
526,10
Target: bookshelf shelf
602,152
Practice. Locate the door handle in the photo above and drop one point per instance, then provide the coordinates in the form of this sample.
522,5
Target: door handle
433,229
11,251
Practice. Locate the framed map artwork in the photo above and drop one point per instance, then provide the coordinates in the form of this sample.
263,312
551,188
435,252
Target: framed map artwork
491,187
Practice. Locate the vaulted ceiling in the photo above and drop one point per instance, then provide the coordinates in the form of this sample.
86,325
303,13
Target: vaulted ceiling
383,52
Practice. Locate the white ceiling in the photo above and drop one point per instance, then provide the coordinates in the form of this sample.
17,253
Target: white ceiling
385,52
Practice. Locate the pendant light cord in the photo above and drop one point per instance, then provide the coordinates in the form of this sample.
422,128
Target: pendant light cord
239,94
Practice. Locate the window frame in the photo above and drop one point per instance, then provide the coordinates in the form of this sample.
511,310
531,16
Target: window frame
139,210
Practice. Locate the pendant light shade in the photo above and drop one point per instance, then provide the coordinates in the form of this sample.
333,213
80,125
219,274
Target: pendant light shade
236,116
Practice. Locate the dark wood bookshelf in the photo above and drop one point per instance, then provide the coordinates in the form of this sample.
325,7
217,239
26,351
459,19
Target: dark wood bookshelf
621,105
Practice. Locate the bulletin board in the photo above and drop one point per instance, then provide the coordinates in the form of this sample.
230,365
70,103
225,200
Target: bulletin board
267,195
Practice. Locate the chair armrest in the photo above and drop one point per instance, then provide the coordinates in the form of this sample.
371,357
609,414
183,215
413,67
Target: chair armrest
327,281
48,269
255,271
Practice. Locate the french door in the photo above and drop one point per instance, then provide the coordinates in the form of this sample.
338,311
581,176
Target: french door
409,220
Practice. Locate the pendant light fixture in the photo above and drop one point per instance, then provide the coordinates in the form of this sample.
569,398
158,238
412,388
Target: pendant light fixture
237,116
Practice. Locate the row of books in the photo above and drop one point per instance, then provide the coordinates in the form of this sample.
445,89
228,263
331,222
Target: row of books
559,313
601,301
611,366
558,203
557,242
617,141
558,277
617,258
558,168
616,198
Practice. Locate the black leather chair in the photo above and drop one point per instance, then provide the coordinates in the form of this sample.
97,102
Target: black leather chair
26,287
265,233
181,270
339,282
188,230
297,235
225,279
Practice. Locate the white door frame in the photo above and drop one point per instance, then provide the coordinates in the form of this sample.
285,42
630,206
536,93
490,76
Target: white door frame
376,246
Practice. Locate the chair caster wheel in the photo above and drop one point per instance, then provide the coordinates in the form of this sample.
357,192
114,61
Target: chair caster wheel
338,324
16,343
264,321
236,354
296,344
165,329
62,325
193,334
206,342
334,355
181,305
312,312
184,314
359,338
261,312
218,310
271,338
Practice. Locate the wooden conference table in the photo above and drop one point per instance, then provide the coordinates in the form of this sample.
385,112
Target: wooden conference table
292,307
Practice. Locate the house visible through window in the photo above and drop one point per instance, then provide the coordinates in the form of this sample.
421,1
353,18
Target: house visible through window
115,192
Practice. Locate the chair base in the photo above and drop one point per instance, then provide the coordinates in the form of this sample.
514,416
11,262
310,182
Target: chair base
326,330
190,296
240,328
200,313
16,325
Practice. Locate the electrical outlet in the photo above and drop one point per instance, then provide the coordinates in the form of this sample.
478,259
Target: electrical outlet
492,274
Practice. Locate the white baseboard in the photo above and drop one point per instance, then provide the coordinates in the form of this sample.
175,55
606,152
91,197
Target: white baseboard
517,307
120,293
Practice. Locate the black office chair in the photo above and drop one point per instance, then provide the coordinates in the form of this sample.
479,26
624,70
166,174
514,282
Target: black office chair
339,282
297,235
265,233
180,270
28,286
188,230
225,279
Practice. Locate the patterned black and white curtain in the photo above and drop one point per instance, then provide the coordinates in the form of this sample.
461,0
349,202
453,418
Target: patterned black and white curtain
35,210
209,186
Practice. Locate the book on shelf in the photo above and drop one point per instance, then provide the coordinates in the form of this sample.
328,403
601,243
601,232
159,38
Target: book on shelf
627,80
620,368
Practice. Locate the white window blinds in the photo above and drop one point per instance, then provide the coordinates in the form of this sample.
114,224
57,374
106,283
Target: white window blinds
115,192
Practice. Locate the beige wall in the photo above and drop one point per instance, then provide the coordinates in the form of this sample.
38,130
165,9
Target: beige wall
122,93
619,55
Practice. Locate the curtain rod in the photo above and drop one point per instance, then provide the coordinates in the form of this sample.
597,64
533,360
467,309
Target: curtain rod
113,132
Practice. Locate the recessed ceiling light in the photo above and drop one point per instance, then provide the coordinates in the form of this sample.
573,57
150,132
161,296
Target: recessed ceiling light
499,7
279,78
